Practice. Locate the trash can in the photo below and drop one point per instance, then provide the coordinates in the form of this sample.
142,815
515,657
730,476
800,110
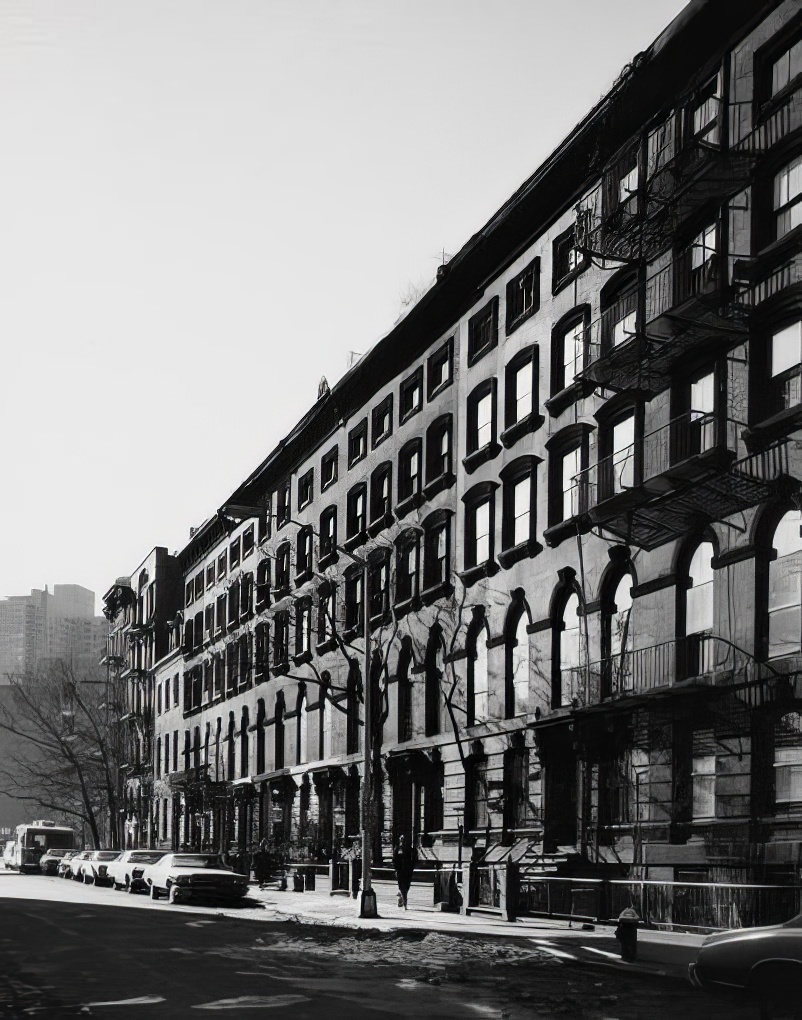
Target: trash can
309,880
297,882
627,934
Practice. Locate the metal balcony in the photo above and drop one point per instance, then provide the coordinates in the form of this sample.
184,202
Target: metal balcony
772,129
686,304
637,342
677,479
703,657
695,170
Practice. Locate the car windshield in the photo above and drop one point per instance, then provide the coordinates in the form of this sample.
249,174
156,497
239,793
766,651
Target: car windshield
57,853
106,855
197,861
146,858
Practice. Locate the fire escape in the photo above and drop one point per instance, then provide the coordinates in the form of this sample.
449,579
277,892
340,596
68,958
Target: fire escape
696,296
644,720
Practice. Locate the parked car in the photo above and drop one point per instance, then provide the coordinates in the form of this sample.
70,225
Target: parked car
75,863
766,962
50,860
183,877
64,865
94,868
126,872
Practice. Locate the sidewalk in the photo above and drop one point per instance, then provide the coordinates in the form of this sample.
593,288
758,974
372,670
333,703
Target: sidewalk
659,949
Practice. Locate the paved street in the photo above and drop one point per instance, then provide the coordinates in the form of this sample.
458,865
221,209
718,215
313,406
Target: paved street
73,950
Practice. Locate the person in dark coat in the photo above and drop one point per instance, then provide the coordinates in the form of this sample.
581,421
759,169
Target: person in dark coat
261,864
404,858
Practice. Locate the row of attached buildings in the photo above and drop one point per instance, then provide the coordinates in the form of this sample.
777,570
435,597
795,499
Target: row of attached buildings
568,484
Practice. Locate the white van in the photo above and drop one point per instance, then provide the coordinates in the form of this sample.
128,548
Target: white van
8,853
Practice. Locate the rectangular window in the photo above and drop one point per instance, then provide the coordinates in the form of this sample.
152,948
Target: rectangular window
483,331
353,601
703,779
383,420
703,248
788,198
357,443
222,569
199,585
484,421
305,491
573,352
786,68
623,459
523,391
624,328
283,506
704,118
328,532
788,775
567,259
786,366
411,395
220,614
247,542
328,469
481,532
571,468
628,185
523,295
233,553
210,575
439,368
521,508
407,567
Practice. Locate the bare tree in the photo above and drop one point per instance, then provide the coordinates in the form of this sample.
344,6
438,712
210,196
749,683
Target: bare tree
62,755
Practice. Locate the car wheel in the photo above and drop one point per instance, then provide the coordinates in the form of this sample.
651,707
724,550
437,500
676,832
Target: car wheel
777,988
174,894
129,887
154,892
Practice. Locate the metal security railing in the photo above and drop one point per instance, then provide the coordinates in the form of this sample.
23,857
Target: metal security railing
639,670
696,906
686,436
706,906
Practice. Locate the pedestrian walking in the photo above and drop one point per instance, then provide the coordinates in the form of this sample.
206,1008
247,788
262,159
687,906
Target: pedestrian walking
261,864
404,858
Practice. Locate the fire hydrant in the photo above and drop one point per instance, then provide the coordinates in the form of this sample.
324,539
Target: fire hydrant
627,933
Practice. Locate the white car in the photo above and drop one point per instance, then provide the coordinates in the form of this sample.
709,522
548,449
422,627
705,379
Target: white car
94,867
127,871
189,876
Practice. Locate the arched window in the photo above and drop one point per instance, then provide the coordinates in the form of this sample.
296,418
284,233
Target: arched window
260,736
278,731
325,718
478,682
300,732
433,672
244,763
617,638
404,691
566,662
695,653
517,662
785,595
352,709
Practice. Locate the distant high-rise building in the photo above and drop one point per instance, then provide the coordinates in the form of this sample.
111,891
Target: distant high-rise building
47,626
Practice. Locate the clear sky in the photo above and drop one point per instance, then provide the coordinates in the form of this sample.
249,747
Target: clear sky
205,204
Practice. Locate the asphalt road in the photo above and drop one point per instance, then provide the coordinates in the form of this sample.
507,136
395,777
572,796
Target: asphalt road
68,950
